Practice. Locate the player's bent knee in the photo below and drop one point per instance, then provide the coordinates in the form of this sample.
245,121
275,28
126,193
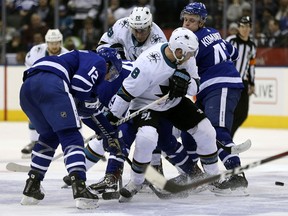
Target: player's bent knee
145,143
205,137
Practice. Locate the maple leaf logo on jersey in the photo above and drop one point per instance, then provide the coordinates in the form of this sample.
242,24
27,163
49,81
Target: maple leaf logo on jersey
155,39
154,57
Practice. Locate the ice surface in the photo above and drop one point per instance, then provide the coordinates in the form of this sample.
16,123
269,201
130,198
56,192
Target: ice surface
265,197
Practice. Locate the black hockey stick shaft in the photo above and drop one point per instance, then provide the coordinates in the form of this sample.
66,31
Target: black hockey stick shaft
170,186
108,136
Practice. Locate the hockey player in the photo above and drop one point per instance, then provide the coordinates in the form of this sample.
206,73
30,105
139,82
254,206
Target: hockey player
165,67
46,96
131,36
134,34
52,46
246,67
220,86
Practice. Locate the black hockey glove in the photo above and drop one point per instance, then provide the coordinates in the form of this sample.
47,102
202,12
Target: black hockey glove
112,118
115,144
86,108
179,83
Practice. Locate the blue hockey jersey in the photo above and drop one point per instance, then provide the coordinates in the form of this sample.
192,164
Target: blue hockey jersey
108,89
82,70
214,61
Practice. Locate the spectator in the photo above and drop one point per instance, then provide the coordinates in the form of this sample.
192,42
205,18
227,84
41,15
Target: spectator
35,26
282,14
246,9
234,11
114,12
260,37
72,43
83,9
26,8
15,45
89,35
66,22
46,12
233,28
276,38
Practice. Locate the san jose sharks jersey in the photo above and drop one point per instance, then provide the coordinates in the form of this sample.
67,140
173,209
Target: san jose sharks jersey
120,33
215,62
149,78
37,52
82,70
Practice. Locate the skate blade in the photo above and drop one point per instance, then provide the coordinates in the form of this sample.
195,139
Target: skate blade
238,192
26,156
123,199
65,186
29,201
83,203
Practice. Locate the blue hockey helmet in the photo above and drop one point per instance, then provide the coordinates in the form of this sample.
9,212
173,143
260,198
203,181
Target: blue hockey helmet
196,8
113,58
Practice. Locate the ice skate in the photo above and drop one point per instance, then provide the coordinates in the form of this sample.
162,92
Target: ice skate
67,181
127,192
196,174
85,198
108,184
27,150
236,185
32,191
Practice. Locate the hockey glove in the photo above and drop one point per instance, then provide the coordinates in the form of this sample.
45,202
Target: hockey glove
115,144
179,83
86,108
112,118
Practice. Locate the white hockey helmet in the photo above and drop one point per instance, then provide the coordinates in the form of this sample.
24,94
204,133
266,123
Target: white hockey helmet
140,18
184,39
53,35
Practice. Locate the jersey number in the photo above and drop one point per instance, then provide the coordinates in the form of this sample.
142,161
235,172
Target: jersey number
135,73
93,73
219,53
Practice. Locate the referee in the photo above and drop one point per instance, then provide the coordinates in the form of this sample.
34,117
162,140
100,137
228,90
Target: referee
245,64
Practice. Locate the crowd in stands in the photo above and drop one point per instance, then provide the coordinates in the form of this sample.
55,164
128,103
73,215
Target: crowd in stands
81,22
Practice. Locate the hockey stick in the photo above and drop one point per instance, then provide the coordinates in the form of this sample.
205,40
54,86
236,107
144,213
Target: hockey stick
15,167
236,149
132,115
160,182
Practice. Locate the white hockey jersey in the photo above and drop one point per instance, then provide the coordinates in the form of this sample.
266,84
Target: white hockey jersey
149,78
37,52
121,33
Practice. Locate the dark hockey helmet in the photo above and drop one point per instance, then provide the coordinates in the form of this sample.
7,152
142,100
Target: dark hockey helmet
196,8
245,20
113,58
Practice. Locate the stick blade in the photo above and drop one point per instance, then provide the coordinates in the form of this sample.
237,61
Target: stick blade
241,147
14,167
155,177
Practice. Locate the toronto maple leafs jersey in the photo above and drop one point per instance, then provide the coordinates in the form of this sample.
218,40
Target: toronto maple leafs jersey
37,52
215,62
149,79
82,70
121,33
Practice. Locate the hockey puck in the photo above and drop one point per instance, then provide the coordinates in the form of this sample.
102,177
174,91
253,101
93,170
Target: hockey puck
279,183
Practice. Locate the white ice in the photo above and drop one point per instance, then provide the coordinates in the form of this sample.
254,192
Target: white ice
265,197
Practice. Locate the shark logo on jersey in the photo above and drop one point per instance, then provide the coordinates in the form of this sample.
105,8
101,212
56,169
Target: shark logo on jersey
125,23
155,38
154,57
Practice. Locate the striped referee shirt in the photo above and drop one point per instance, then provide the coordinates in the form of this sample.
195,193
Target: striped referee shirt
246,62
